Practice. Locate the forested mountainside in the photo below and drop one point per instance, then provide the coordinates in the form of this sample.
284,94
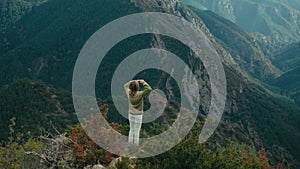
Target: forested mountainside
36,107
288,61
243,48
275,18
288,58
11,12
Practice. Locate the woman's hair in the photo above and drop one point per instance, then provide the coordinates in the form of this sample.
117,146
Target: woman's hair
134,87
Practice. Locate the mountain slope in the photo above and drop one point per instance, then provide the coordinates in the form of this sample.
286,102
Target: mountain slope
11,12
279,19
35,105
289,58
14,10
290,79
289,84
256,118
48,51
242,47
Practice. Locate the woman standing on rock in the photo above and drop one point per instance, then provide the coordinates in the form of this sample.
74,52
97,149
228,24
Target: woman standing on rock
136,105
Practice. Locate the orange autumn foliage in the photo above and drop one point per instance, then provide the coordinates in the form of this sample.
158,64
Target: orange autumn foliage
85,150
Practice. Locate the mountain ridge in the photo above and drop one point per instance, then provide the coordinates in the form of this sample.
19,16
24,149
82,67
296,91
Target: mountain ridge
243,48
275,20
283,14
288,58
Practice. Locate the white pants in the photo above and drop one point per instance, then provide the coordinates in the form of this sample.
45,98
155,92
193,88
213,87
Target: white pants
135,122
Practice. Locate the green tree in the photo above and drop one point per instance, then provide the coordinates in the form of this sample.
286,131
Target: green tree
12,152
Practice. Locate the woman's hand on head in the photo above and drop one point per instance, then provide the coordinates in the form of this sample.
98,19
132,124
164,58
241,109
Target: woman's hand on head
140,81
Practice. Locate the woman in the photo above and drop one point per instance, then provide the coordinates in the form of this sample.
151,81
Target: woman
136,105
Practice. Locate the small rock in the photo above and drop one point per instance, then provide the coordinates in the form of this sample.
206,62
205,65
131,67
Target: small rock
115,161
98,166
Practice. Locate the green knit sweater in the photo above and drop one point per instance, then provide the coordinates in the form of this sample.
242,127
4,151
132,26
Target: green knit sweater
136,102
